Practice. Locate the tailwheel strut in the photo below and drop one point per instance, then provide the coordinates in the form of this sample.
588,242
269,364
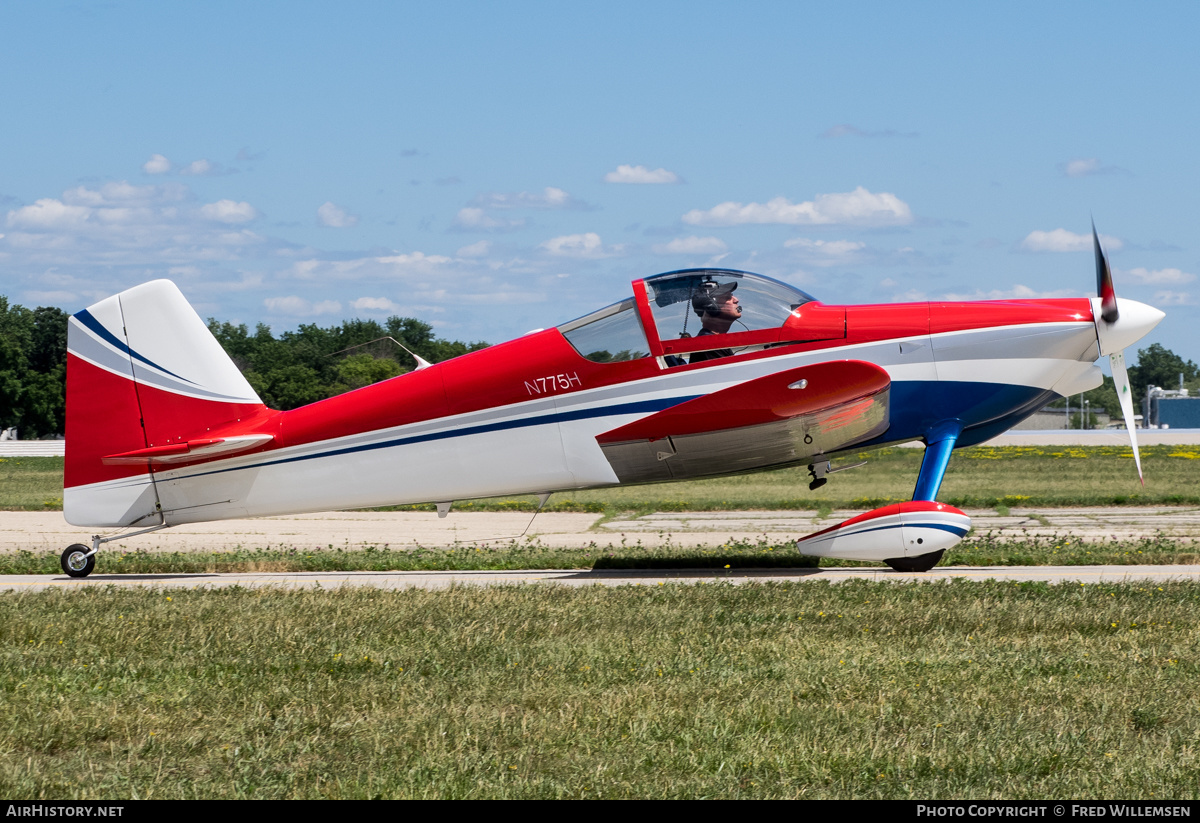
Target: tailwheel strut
78,560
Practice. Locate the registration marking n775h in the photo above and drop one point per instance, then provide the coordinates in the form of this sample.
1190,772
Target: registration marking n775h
553,382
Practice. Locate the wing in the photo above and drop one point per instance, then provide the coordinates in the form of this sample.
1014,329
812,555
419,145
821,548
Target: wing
787,417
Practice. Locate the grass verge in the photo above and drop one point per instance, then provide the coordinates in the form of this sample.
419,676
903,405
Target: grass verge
977,550
860,690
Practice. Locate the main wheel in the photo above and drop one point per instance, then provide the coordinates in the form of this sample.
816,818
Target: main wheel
920,563
76,562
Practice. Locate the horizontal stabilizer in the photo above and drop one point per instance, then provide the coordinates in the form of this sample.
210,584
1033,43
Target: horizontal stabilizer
188,451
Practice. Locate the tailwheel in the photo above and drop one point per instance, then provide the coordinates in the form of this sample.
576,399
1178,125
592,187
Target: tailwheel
920,563
76,560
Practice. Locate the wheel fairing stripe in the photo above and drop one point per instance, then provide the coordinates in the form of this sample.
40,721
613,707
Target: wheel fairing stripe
946,527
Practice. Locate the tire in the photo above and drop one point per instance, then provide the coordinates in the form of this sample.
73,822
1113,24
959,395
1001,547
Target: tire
75,562
920,563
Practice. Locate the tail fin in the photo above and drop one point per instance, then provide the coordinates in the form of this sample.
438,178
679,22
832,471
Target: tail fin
147,385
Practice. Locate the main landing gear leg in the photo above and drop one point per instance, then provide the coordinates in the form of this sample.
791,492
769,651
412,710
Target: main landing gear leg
939,444
909,536
78,560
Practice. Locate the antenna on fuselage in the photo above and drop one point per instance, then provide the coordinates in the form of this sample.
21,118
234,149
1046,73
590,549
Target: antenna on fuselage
422,363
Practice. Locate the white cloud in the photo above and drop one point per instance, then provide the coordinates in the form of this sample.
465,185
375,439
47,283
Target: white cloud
52,298
412,266
476,219
1086,167
1018,292
475,249
1081,168
429,282
157,164
910,296
120,193
293,306
692,245
548,198
111,205
585,246
1156,276
49,213
229,211
335,216
847,130
640,174
1172,298
198,168
117,224
1063,240
826,252
380,304
859,207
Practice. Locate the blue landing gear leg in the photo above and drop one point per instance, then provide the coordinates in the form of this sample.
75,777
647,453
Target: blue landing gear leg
939,443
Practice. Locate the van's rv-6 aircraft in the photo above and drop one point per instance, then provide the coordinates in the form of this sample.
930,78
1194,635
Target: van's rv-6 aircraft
162,428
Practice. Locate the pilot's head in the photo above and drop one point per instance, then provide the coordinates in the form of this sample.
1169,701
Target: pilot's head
716,300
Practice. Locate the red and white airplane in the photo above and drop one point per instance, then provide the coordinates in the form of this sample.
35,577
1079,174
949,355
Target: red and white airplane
699,373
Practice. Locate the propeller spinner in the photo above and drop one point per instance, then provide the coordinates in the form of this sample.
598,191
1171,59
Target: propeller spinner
1122,323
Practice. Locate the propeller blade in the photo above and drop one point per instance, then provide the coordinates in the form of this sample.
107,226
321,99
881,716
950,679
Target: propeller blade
1104,284
1121,379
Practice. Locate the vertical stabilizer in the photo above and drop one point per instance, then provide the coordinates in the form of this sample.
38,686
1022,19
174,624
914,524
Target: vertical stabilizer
143,372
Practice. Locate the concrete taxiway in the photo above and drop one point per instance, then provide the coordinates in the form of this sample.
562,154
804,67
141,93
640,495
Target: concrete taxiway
49,532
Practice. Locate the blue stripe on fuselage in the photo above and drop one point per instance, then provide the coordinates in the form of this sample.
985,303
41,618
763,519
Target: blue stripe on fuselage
914,407
640,407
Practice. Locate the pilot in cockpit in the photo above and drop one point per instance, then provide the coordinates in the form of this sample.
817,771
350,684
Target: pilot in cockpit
718,309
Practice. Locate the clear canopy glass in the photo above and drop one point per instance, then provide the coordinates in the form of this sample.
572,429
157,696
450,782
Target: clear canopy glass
676,296
609,335
615,333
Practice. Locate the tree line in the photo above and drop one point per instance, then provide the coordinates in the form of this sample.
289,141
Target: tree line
313,363
33,369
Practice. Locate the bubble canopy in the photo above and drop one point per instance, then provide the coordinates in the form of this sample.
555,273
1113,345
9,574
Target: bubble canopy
765,303
616,332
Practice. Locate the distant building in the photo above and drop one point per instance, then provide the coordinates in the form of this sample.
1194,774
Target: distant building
1170,408
1047,418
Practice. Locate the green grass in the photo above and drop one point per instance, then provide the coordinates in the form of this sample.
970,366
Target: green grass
985,476
858,690
31,483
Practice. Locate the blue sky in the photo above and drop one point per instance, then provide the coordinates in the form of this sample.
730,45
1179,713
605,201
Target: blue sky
496,167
